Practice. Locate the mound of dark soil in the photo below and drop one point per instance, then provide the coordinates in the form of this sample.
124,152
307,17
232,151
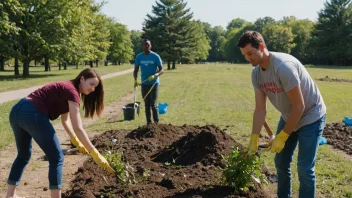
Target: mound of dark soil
339,136
167,161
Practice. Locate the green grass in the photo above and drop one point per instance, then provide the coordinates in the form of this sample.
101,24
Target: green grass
38,76
222,94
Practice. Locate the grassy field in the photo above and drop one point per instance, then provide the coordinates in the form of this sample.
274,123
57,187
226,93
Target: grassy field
39,76
222,94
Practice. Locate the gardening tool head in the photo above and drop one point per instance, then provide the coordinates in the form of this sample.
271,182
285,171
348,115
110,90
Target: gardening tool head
136,106
69,151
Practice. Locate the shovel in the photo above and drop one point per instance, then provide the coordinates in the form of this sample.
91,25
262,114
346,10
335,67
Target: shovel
69,151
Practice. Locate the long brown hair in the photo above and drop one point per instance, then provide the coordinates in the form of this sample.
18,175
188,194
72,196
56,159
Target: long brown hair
93,102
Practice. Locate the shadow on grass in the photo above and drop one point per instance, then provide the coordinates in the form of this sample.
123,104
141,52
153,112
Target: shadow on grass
12,77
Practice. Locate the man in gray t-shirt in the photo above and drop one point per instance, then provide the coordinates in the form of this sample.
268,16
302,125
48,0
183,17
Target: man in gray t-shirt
285,81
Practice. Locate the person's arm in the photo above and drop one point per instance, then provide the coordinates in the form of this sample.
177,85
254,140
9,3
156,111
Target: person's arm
135,72
160,71
258,121
83,137
259,112
290,81
297,108
66,123
77,126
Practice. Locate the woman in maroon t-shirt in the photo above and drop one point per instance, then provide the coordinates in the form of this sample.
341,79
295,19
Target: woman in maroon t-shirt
30,118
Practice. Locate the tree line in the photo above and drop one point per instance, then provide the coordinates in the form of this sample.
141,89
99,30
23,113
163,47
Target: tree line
75,31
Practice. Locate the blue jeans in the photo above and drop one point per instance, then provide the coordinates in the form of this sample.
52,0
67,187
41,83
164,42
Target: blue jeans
308,137
27,123
150,102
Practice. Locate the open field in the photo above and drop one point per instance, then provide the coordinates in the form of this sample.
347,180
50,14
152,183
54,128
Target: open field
222,94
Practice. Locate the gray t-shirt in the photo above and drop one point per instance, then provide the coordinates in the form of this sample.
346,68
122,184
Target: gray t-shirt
283,74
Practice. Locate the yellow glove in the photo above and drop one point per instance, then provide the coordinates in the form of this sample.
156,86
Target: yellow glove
152,77
101,161
79,146
136,84
278,142
253,144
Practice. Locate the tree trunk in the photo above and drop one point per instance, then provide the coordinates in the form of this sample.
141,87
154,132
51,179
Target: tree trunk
91,64
25,72
173,64
77,65
65,65
59,64
106,63
46,64
119,62
17,71
2,63
35,63
168,65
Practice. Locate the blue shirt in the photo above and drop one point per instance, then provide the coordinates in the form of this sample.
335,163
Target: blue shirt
149,66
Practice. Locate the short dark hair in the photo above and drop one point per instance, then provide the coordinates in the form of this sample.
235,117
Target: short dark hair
146,40
252,37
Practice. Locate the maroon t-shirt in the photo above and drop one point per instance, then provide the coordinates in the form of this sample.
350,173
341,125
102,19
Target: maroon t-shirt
52,99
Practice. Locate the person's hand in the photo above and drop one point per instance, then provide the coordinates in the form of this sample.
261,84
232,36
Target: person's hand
79,146
101,161
278,142
136,84
253,144
152,77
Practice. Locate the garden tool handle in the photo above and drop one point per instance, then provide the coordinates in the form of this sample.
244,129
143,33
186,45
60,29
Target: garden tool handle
134,93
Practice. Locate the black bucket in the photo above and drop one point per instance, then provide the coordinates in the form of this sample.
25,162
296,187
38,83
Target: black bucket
130,110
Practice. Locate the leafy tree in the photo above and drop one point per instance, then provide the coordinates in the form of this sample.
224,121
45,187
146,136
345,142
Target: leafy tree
100,39
217,36
278,38
171,32
9,9
200,50
235,24
262,22
332,33
231,51
302,31
121,44
136,37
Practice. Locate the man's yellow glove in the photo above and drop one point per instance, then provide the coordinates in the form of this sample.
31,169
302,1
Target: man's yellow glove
278,142
152,77
253,144
101,161
136,84
79,146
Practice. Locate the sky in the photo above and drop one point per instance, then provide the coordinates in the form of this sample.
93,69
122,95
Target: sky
216,12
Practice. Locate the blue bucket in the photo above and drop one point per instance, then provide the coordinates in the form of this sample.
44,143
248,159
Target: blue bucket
348,121
322,141
162,108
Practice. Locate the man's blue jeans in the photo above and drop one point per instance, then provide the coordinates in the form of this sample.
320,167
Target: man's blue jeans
308,138
150,102
27,123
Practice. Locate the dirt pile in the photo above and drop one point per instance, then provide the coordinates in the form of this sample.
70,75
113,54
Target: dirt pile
168,161
334,79
339,136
